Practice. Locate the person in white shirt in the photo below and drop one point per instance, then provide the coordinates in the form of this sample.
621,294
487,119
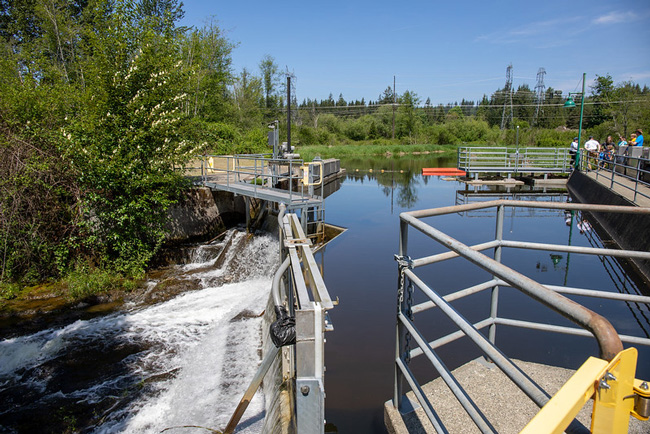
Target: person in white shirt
573,151
593,148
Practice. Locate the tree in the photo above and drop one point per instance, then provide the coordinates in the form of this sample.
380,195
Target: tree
271,82
207,58
407,120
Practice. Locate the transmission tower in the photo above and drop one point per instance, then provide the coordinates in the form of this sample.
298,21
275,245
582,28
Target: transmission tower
540,90
507,98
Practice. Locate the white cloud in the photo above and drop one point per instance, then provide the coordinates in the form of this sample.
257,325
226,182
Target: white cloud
616,17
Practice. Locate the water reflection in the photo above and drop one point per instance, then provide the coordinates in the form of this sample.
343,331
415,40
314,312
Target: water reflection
362,273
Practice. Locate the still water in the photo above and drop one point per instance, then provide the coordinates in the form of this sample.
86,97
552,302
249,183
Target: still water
360,270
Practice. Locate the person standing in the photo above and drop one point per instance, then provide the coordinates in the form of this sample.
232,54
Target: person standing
573,152
593,148
639,137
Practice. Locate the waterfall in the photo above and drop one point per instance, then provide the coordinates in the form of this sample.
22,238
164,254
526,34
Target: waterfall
183,362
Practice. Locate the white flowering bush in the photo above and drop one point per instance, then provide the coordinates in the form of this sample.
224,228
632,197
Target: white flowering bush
126,142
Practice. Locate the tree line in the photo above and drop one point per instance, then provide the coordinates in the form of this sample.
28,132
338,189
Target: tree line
104,101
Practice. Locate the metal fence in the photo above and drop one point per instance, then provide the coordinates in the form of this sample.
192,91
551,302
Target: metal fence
627,169
475,160
412,343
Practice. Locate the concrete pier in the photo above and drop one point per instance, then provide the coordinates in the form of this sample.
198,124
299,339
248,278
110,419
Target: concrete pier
505,406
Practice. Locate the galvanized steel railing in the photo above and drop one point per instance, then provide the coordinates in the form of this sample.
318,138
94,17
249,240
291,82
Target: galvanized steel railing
298,288
628,169
475,160
591,324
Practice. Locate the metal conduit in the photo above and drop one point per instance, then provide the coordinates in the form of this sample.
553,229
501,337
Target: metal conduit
603,331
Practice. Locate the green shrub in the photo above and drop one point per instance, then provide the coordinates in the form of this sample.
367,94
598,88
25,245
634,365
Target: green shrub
85,282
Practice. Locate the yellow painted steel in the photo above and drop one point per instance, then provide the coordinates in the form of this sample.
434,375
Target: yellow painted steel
613,404
613,388
558,413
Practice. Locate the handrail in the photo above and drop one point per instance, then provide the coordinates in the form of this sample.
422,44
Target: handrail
590,323
477,159
623,170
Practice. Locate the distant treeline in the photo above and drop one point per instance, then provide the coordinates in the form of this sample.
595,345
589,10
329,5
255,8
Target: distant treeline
102,101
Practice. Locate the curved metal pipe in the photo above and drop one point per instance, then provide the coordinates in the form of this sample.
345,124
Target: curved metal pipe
608,340
277,277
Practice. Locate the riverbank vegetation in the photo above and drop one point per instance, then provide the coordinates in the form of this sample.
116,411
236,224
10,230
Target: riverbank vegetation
104,101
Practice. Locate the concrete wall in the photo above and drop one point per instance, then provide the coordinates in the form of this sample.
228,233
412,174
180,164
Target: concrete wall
630,231
202,214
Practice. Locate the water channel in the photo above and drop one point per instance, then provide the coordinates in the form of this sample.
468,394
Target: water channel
181,362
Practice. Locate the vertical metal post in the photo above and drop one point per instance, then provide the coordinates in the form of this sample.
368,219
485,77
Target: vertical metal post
497,257
400,332
638,174
288,113
582,108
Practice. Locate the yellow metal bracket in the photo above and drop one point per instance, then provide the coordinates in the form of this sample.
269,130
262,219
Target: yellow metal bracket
305,173
616,393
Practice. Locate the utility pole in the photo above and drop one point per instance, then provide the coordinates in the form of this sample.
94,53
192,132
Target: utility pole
394,102
507,96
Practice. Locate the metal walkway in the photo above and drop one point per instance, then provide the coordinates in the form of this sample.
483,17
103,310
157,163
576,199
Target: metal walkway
290,182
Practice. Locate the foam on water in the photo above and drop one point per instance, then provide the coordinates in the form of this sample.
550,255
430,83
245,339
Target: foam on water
194,355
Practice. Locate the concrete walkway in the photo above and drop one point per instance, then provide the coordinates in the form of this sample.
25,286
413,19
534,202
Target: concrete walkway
505,406
622,185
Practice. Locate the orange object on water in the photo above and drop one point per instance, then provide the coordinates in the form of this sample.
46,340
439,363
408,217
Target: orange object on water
442,171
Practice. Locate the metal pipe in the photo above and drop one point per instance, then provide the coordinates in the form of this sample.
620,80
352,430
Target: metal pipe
277,277
565,330
417,390
456,295
451,337
527,385
576,249
606,335
526,204
427,260
593,293
494,300
463,398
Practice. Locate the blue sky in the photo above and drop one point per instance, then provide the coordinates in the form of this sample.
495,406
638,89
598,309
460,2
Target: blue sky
444,50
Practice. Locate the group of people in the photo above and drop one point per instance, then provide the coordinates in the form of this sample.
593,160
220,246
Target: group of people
603,153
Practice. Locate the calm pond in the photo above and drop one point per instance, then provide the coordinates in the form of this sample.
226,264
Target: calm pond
360,270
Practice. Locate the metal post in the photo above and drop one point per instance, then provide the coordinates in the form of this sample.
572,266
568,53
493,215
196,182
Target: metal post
288,113
582,109
494,304
400,332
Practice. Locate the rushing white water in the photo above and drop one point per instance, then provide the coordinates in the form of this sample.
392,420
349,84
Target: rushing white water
183,362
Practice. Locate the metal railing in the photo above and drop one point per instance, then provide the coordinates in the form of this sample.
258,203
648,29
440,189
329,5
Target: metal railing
305,295
628,172
475,160
590,323
298,290
262,173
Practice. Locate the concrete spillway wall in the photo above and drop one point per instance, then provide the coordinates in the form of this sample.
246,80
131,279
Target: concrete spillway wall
629,231
202,213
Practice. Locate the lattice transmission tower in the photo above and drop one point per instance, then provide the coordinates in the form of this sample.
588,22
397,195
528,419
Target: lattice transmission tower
540,91
507,99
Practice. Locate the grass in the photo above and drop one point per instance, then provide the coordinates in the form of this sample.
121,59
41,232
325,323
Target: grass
369,149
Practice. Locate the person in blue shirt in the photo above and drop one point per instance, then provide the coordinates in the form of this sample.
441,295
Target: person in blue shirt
639,137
